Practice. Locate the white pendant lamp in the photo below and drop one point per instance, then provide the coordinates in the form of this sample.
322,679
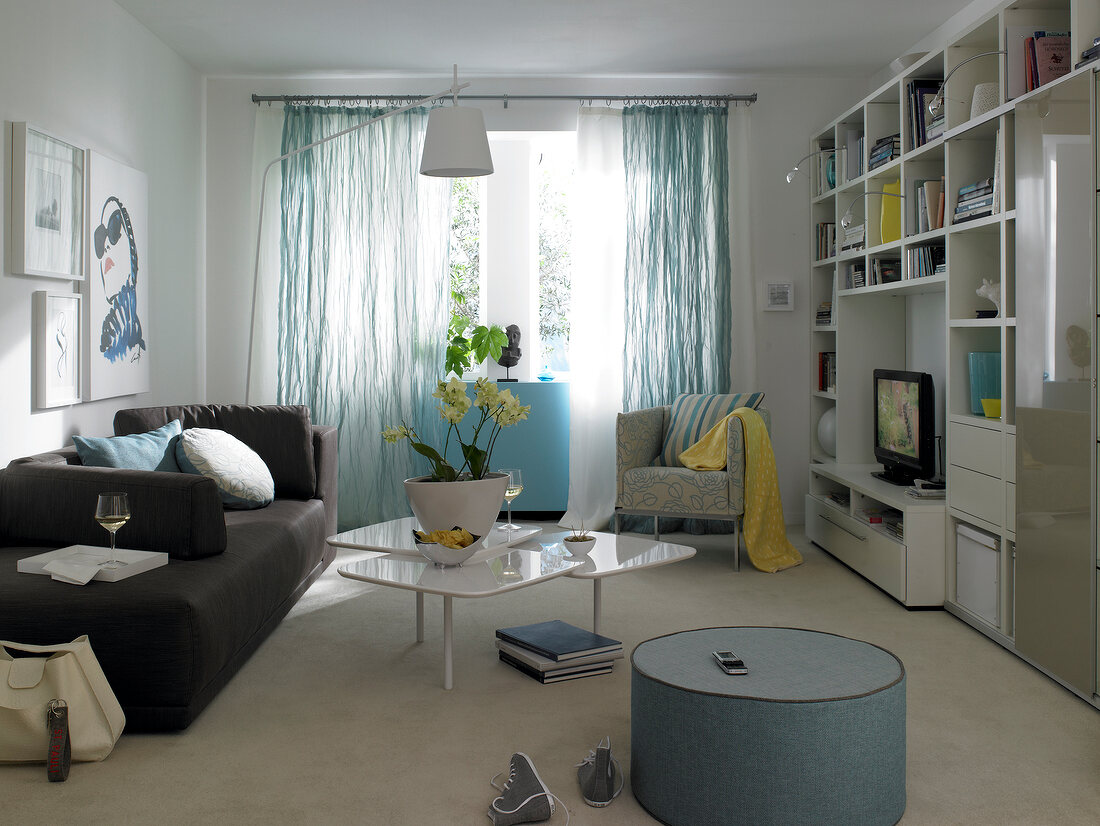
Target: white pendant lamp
455,143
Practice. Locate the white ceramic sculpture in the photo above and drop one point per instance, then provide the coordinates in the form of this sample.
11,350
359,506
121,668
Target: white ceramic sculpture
991,290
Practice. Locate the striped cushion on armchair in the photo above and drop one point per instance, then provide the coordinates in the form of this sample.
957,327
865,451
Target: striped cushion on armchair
693,415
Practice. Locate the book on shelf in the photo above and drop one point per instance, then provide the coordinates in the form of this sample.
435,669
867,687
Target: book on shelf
889,225
885,270
919,92
984,183
839,497
545,664
824,314
975,203
926,260
973,215
826,240
855,237
826,371
885,150
1051,56
558,675
854,154
558,640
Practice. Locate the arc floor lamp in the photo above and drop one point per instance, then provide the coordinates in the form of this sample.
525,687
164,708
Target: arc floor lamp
455,146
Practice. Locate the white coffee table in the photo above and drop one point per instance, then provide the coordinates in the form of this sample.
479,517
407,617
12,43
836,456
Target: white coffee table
510,560
507,570
610,556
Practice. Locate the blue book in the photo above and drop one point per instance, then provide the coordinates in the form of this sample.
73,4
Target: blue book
558,640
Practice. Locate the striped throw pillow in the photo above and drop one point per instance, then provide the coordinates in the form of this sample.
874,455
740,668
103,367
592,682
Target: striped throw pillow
693,415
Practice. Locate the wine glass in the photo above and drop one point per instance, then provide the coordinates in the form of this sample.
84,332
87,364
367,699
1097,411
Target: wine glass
514,489
112,511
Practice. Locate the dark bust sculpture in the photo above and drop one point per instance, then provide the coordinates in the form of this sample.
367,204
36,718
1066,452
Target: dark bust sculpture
509,356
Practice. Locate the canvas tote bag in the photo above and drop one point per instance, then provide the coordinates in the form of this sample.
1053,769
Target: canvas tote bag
68,672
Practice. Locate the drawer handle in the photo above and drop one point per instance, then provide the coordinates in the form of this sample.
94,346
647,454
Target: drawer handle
835,525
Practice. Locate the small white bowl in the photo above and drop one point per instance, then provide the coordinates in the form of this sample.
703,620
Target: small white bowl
442,555
579,547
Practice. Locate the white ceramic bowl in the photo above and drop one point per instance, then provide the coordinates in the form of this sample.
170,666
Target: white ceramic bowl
579,547
442,555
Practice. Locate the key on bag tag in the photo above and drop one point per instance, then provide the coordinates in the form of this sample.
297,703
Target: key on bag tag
59,755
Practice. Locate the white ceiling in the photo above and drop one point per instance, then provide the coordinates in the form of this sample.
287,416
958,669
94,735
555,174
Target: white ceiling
541,37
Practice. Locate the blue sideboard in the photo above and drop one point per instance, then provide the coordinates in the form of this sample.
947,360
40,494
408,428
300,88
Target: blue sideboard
539,445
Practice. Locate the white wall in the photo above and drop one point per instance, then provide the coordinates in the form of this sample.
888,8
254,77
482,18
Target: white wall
789,109
87,72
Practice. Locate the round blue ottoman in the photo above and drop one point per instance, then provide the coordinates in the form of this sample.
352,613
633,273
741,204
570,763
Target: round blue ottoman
813,734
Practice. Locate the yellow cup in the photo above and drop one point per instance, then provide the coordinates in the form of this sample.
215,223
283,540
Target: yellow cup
992,408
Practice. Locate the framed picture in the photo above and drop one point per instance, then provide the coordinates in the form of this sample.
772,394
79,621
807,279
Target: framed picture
47,196
57,345
780,296
116,292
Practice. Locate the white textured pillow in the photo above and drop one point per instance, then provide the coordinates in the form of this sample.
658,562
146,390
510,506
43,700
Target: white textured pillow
242,478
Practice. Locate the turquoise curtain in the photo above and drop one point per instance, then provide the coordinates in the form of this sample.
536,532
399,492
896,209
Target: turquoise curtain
362,294
677,288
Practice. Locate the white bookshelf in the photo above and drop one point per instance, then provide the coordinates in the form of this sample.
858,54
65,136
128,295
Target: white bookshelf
931,323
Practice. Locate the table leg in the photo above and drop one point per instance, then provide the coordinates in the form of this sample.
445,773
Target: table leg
597,604
420,616
448,648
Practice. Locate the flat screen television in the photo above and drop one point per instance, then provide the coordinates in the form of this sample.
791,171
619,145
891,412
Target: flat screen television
905,425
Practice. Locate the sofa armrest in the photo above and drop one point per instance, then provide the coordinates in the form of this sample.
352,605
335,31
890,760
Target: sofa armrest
639,436
54,504
326,457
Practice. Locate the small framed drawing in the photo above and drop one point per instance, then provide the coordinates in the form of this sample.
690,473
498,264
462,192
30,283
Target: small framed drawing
780,296
57,345
47,199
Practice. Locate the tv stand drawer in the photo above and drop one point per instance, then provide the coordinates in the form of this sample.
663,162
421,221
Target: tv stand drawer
860,547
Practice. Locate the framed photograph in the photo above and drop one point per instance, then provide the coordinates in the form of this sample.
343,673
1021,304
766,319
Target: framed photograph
116,292
47,197
57,345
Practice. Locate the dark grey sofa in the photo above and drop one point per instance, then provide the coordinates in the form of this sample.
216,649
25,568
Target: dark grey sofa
169,639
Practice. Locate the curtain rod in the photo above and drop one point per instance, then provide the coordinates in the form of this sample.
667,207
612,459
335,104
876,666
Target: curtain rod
667,99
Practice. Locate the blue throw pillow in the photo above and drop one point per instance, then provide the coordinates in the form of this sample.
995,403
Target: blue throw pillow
154,450
241,476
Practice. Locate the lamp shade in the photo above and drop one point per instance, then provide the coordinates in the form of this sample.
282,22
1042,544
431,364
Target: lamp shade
455,145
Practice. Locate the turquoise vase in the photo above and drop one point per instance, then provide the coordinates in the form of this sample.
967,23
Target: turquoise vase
985,379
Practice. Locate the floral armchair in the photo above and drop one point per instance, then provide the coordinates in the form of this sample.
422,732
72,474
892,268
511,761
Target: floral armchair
647,484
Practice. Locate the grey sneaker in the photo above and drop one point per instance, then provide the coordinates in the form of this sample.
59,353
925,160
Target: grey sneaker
524,798
599,774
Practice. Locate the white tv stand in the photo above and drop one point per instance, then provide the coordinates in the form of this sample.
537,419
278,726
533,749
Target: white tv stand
911,570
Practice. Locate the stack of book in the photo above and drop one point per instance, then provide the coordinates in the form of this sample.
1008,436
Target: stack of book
1090,54
854,237
885,150
1046,57
856,275
554,651
824,314
975,201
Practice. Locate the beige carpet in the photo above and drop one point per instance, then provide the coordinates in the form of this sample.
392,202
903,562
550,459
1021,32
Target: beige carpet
340,716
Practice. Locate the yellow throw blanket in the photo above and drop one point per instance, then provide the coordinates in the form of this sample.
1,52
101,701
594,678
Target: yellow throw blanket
765,532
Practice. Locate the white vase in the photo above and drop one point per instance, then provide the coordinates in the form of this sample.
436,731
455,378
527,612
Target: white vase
470,504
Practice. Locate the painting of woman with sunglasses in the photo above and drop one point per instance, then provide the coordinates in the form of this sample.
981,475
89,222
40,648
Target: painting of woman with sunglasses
120,337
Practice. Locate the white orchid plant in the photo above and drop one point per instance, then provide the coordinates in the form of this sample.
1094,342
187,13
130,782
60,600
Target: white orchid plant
499,409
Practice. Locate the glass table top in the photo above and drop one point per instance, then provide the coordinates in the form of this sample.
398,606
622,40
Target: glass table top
395,537
612,554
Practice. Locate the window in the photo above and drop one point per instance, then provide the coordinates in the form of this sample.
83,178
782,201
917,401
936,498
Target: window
510,240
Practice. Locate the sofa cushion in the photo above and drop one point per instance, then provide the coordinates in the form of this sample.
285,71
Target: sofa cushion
154,450
281,434
242,478
693,415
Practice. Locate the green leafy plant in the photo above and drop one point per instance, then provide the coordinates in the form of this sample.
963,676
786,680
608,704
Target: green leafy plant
498,409
468,347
